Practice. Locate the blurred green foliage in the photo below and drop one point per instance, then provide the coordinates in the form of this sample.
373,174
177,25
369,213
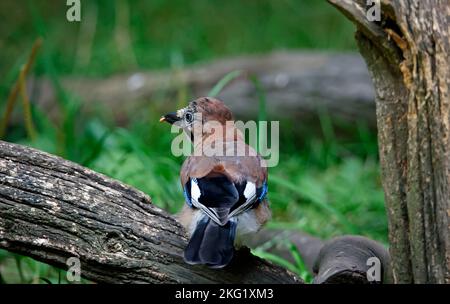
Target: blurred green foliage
164,33
327,182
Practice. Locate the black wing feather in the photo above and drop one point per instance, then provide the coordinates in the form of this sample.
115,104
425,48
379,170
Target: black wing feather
211,244
217,192
219,198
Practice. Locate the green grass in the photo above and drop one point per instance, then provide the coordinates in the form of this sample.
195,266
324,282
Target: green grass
327,182
19,269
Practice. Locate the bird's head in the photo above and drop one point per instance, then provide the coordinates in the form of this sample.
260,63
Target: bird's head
210,109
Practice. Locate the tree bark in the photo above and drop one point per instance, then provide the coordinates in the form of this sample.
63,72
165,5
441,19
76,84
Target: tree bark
408,56
52,209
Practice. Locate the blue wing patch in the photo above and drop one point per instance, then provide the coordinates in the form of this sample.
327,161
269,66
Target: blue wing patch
187,193
262,192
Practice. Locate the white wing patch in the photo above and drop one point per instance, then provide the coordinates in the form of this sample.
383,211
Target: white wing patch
250,190
213,213
195,190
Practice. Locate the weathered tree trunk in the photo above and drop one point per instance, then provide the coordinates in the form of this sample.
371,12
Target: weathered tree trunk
408,56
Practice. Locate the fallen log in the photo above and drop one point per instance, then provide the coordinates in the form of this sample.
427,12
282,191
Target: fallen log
296,85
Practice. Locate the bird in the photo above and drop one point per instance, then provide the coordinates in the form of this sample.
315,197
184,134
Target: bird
226,199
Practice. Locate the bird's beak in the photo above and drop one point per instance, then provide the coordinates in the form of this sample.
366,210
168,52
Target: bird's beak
170,118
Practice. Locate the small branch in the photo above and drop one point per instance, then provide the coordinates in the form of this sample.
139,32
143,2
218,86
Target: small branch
346,259
356,11
339,260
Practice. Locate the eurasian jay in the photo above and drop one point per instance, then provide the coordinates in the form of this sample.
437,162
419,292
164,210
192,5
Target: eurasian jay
225,194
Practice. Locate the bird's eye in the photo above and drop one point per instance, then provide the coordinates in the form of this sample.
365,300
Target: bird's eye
189,117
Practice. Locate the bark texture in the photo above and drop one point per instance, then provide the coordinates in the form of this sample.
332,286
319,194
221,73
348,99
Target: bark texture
408,56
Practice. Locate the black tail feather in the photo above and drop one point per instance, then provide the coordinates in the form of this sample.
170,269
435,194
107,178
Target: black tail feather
211,244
